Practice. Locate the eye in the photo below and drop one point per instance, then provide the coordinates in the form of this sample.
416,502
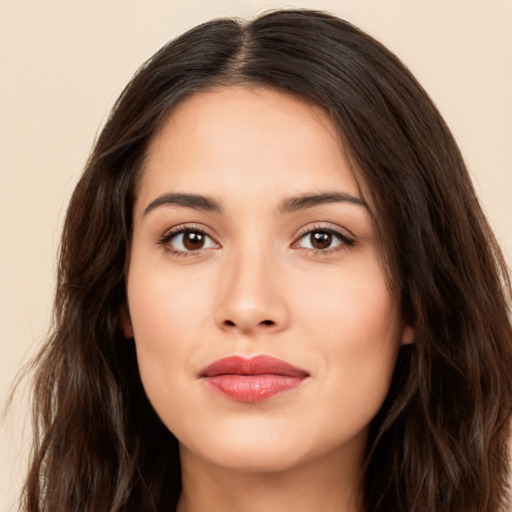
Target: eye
323,240
186,240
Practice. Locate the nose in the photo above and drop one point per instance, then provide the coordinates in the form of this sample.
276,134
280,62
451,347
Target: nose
251,297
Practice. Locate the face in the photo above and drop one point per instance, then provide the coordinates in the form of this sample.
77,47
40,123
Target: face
266,334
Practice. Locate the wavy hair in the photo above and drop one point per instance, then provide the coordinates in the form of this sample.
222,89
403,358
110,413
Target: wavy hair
439,443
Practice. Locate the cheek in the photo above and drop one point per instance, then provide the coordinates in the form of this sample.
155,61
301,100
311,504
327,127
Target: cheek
354,322
166,304
349,306
167,312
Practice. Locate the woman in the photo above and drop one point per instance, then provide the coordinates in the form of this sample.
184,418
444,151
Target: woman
276,289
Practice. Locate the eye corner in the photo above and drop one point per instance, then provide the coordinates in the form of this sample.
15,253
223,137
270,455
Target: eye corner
327,235
174,242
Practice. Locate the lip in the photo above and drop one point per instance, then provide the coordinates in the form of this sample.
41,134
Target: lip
253,379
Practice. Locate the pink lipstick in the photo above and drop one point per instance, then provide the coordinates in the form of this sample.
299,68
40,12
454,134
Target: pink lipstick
252,379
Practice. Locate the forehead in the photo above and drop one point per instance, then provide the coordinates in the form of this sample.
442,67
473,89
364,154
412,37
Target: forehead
246,139
246,104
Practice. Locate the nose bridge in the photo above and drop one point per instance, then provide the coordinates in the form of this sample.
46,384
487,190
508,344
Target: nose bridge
251,297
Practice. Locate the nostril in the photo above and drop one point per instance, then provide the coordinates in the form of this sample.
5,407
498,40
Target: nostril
263,323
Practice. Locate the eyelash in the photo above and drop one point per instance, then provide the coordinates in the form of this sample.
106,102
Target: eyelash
174,232
345,241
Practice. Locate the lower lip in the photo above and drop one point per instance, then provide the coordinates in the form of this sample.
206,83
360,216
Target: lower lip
252,388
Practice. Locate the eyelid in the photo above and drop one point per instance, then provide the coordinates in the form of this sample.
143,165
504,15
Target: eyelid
174,231
347,240
325,226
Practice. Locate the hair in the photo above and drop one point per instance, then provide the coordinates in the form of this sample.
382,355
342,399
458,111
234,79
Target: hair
439,443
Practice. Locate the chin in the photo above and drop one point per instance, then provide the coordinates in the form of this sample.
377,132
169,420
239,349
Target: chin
251,459
247,450
263,449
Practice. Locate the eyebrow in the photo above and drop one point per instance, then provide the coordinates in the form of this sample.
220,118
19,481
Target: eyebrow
289,205
304,201
195,201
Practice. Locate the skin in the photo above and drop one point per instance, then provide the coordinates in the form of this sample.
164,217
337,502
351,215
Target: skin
258,286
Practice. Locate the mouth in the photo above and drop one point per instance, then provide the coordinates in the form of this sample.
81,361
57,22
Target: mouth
252,380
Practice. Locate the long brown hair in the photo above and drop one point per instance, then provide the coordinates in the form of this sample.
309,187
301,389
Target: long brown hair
439,442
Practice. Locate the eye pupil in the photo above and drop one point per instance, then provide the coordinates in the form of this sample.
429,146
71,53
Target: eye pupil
321,239
193,240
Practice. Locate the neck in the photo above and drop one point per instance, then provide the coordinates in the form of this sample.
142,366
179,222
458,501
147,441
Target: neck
323,485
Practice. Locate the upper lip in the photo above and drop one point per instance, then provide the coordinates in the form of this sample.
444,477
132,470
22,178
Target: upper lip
257,365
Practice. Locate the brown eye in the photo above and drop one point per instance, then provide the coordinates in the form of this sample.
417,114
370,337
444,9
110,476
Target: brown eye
320,239
323,240
193,240
188,240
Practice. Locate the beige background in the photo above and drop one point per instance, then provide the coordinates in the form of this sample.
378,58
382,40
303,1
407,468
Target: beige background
63,63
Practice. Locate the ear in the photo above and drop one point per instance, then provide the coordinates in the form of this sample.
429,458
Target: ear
408,335
126,322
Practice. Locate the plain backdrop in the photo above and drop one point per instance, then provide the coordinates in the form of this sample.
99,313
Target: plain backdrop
63,63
